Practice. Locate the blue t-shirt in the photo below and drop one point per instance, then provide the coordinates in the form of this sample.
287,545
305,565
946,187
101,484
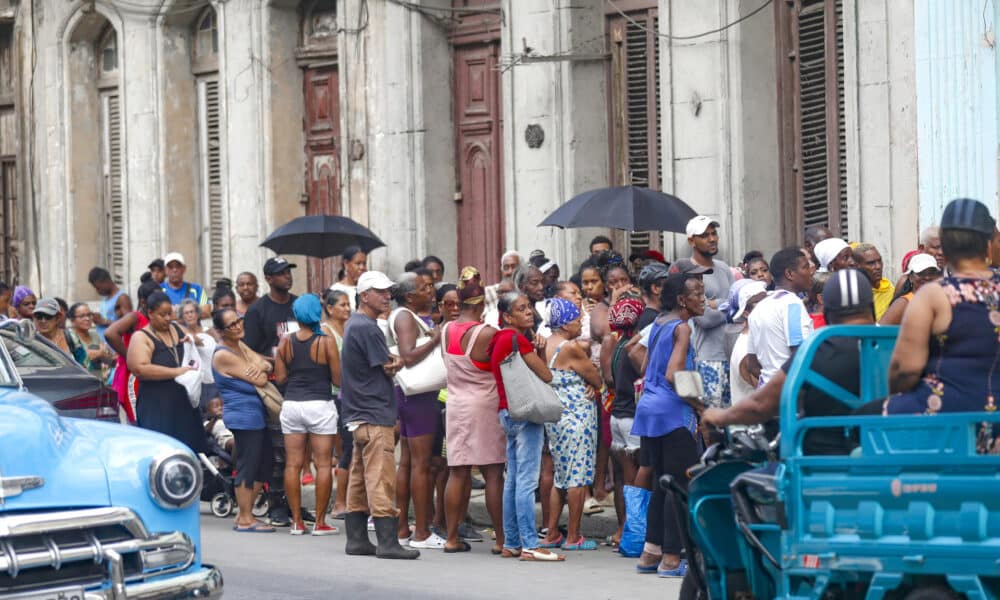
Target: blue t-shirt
187,290
108,311
660,410
242,408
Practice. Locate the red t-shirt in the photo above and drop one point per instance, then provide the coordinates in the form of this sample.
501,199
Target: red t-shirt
500,348
818,319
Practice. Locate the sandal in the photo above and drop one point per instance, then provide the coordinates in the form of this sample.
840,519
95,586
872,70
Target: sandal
495,551
591,506
581,544
539,556
465,547
611,541
556,544
510,553
257,527
648,569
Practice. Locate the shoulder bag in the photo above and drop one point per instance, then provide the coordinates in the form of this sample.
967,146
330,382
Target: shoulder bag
430,374
528,397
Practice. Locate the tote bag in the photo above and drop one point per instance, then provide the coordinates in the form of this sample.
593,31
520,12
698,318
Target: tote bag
528,397
428,375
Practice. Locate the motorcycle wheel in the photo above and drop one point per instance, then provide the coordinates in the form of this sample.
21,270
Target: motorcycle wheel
933,592
261,506
689,589
222,505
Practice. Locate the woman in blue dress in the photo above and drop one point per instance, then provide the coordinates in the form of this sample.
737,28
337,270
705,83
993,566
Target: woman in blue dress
947,357
666,423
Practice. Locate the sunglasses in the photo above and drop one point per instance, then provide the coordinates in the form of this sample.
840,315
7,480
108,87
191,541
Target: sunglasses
44,317
234,324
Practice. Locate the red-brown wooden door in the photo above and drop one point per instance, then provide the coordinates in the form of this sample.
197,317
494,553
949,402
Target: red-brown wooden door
322,133
479,145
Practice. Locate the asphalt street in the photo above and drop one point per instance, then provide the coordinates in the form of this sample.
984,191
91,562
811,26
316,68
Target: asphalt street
279,566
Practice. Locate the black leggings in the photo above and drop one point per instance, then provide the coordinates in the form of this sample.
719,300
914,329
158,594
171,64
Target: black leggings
669,454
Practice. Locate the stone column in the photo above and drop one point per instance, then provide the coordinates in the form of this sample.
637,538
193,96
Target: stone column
559,85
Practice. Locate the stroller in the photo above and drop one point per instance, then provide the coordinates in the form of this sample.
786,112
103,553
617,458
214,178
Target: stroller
217,488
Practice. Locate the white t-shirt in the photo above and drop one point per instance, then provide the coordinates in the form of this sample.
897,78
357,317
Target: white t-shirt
777,324
738,388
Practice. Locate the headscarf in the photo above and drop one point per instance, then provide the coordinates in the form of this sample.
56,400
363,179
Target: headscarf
308,311
827,250
624,315
561,312
20,293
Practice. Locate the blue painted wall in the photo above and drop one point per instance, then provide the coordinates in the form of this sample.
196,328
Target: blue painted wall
957,102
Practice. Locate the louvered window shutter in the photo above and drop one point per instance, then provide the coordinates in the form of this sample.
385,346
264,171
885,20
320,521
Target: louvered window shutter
114,202
820,137
636,106
213,209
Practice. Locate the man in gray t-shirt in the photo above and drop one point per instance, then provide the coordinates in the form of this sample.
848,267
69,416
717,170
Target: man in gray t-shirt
369,409
708,330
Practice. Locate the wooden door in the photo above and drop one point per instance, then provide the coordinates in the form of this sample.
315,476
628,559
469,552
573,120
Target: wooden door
479,144
322,129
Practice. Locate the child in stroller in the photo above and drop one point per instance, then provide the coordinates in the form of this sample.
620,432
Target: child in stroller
217,463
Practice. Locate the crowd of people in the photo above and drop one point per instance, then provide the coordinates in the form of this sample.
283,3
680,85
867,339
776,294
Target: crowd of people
333,381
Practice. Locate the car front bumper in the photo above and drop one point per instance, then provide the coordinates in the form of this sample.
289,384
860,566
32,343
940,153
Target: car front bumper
203,583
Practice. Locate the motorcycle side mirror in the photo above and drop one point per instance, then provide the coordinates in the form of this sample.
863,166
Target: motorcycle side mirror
688,384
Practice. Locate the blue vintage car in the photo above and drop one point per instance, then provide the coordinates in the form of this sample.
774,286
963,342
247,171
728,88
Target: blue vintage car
93,511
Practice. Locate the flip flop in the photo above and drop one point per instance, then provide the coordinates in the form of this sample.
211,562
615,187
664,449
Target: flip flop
591,507
536,556
255,528
581,544
510,552
556,544
678,571
465,547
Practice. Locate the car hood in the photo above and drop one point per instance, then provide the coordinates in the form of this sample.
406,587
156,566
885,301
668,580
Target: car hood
36,442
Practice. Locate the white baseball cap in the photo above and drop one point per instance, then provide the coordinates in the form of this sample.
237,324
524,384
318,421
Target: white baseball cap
374,280
699,224
747,292
920,263
174,257
827,250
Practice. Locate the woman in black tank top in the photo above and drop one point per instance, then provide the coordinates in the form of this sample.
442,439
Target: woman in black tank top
309,363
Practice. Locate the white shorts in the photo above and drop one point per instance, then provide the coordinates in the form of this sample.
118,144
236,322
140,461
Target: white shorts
309,416
621,434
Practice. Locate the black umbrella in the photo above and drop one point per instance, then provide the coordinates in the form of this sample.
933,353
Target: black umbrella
321,236
628,207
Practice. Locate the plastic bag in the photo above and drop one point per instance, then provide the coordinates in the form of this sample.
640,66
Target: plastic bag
634,532
191,380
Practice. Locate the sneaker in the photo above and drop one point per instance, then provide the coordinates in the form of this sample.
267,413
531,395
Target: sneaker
433,542
404,542
279,517
324,529
297,529
468,533
439,531
308,516
478,484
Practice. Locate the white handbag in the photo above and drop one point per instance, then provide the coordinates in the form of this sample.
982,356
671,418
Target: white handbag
528,397
191,380
430,374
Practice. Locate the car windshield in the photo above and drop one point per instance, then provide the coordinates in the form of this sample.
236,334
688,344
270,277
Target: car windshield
27,354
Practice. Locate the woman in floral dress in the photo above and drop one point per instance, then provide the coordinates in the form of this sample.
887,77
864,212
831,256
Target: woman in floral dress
572,440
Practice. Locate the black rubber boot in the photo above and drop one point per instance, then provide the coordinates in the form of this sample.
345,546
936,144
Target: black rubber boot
388,543
358,544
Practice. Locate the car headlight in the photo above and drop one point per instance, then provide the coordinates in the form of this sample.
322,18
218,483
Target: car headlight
174,479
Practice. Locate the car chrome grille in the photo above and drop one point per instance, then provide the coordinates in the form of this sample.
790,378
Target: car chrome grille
73,547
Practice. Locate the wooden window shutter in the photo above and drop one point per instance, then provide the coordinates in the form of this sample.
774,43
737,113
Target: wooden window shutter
114,201
635,105
210,144
814,178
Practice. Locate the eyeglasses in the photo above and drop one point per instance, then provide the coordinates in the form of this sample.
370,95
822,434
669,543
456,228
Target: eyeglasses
44,317
235,324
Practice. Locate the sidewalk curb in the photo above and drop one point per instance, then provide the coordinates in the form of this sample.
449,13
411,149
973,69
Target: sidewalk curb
597,527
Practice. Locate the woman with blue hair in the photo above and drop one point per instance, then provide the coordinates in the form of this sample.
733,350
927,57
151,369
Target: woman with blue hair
308,363
573,439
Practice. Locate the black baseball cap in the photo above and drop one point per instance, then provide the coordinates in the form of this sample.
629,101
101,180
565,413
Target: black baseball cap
277,264
968,214
686,265
652,273
847,291
156,264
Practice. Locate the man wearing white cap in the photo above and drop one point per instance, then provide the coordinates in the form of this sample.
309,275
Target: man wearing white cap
834,254
709,331
369,410
176,288
921,269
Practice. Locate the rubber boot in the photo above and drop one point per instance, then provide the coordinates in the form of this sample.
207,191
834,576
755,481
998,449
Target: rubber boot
388,544
358,544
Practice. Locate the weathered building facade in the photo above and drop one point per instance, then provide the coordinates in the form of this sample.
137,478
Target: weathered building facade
132,127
